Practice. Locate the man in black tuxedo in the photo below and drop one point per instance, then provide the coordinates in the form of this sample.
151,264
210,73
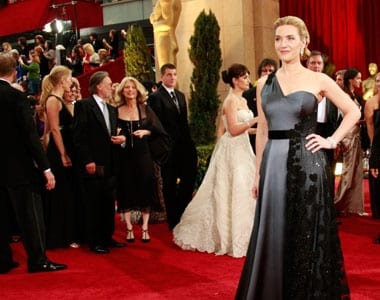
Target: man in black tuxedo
96,142
266,67
327,113
24,166
179,172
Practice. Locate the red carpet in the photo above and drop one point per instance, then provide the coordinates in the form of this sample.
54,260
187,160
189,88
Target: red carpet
159,270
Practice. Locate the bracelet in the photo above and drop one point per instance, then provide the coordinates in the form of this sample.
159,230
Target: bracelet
332,142
249,126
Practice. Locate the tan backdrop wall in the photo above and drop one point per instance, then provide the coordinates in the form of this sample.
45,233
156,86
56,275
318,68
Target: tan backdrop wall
246,34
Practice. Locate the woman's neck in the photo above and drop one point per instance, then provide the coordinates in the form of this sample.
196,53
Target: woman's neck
237,92
291,69
130,103
57,92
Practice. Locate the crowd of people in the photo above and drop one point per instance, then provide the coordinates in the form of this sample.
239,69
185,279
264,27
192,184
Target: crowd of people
272,200
34,61
99,153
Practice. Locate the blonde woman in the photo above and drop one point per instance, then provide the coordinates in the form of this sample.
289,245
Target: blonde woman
91,58
59,203
7,47
136,187
294,252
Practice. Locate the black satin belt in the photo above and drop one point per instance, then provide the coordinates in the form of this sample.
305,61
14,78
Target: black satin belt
279,134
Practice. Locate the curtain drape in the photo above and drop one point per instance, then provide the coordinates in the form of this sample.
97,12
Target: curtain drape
345,30
28,15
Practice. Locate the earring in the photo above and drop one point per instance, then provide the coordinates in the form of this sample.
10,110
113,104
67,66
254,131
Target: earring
302,51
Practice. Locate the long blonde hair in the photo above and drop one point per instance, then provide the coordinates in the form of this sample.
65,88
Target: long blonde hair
141,91
302,30
52,80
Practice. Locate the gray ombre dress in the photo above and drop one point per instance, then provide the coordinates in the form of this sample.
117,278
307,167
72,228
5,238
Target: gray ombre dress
294,251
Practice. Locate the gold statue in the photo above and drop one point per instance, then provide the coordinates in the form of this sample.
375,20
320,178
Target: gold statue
164,19
368,85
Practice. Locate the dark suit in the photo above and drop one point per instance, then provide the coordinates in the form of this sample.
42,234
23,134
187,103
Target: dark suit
20,180
250,96
97,44
325,130
182,162
93,143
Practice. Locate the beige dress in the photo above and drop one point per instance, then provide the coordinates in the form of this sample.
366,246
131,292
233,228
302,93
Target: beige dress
349,197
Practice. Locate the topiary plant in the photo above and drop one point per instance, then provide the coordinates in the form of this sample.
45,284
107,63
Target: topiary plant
205,54
136,55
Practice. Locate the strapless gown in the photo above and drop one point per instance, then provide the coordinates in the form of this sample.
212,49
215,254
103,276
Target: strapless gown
219,218
294,251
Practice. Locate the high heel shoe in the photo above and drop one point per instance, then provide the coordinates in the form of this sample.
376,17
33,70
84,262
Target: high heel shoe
130,238
145,238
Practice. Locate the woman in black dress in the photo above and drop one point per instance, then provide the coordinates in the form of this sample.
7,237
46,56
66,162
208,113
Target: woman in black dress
60,202
136,186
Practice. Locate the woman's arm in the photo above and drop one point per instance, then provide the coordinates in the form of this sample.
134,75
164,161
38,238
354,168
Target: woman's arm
234,126
328,88
261,134
344,103
53,107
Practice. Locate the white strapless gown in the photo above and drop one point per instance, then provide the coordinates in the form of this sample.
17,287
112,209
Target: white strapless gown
219,218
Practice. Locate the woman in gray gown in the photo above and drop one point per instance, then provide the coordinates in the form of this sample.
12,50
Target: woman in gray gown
294,252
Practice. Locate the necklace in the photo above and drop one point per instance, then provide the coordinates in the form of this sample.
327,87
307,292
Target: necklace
131,128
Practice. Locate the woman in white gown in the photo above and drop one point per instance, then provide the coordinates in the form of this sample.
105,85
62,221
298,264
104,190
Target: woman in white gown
219,218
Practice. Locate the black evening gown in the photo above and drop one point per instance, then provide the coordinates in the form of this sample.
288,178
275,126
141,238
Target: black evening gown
63,206
294,251
136,181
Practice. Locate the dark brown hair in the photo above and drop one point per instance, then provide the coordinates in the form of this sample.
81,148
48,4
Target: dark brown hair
234,71
167,66
95,79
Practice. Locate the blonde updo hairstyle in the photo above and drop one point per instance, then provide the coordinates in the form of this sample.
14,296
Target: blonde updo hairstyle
302,30
51,80
141,91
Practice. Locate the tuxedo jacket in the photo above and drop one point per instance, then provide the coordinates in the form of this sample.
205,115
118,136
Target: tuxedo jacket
331,118
91,138
250,96
21,149
175,123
